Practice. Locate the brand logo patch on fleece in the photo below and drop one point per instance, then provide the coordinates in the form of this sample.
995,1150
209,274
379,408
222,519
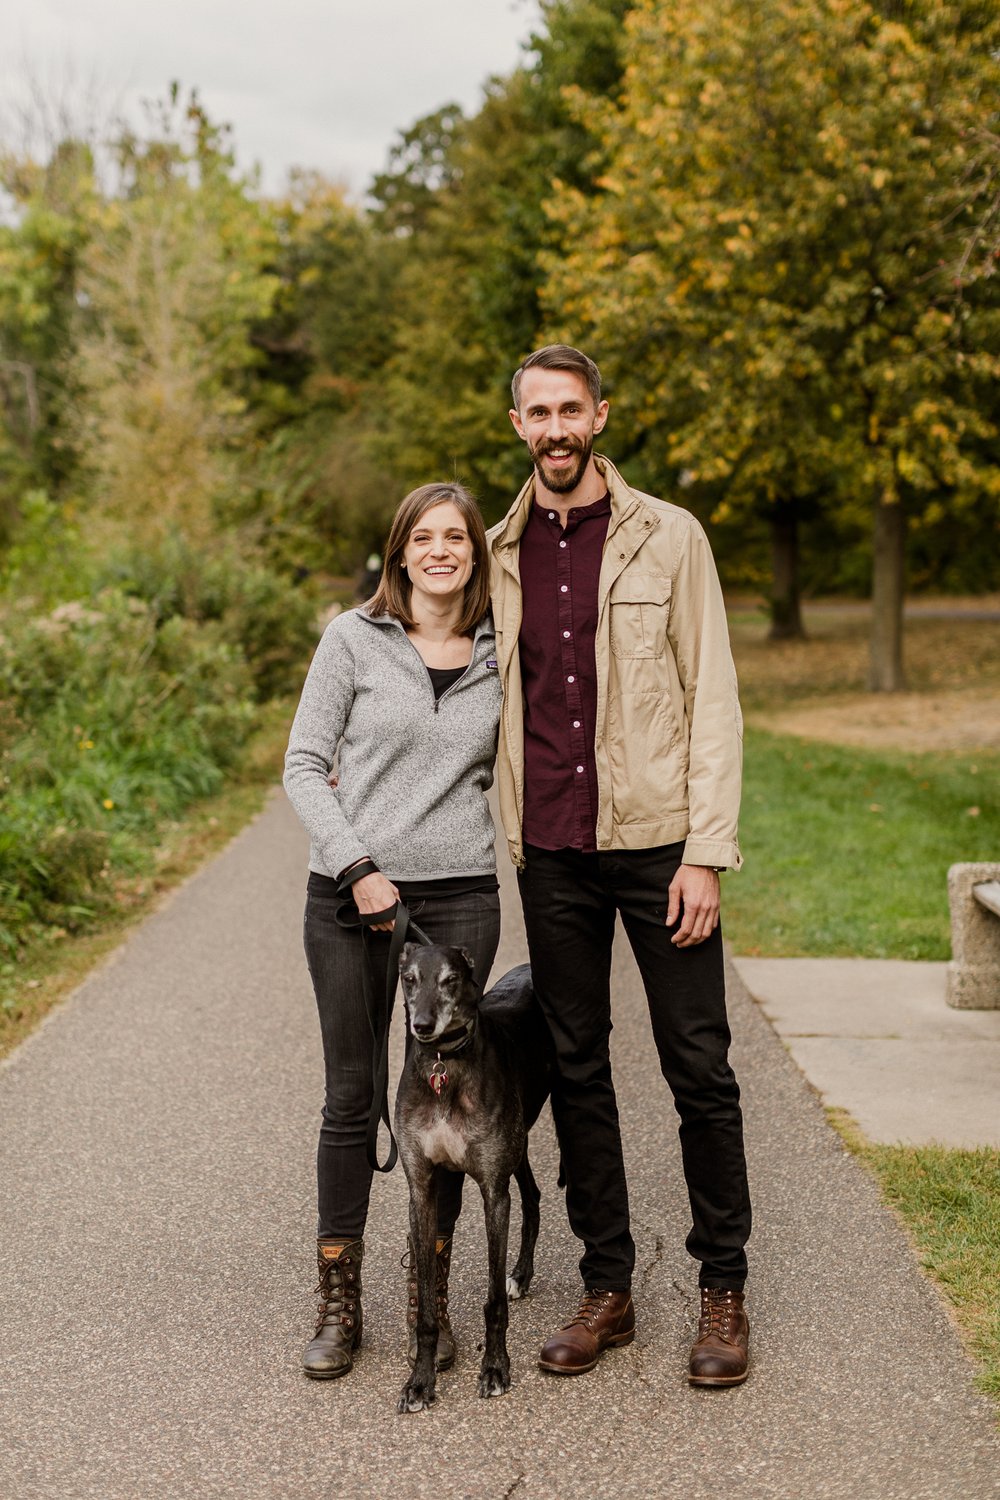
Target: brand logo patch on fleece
491,664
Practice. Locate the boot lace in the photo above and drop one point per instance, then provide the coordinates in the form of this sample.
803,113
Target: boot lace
719,1311
592,1304
337,1294
408,1261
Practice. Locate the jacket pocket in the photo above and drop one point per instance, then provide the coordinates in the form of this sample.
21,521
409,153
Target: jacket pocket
640,606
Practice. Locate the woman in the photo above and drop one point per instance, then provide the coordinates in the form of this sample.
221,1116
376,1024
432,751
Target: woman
404,692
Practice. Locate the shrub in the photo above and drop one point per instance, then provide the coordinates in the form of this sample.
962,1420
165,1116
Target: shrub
259,611
114,721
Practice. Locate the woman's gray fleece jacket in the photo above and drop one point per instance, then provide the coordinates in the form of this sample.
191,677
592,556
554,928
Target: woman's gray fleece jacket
413,771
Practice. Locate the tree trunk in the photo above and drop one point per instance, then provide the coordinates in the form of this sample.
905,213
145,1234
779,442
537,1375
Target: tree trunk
786,605
886,671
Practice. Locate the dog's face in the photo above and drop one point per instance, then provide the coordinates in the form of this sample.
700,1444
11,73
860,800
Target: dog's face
438,989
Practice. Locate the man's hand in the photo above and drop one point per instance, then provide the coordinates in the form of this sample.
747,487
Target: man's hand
375,893
694,895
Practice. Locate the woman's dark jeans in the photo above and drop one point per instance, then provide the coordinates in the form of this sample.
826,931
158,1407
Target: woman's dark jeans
337,958
570,902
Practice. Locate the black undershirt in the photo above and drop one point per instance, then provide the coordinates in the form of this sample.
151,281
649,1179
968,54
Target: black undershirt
443,677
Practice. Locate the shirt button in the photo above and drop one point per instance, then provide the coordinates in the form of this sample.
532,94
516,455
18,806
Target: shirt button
570,679
552,515
576,723
579,770
562,544
565,635
564,588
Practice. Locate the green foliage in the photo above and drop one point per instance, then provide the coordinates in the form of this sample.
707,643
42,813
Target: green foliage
472,198
40,249
256,611
848,850
112,723
170,285
320,496
43,555
771,274
123,706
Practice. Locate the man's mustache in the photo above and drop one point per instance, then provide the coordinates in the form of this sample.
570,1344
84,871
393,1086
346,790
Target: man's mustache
575,445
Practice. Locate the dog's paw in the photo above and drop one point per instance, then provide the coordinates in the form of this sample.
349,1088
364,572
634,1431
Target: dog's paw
415,1397
493,1381
517,1286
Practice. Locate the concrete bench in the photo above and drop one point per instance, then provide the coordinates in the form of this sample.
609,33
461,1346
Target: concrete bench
974,971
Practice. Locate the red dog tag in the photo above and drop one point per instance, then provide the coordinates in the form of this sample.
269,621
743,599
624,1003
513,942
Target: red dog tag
438,1077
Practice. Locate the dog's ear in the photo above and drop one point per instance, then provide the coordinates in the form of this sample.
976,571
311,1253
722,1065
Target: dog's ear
408,950
469,961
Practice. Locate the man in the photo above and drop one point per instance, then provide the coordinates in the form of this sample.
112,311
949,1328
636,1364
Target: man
619,779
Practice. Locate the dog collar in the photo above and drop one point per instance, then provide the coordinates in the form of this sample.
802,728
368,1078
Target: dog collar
453,1042
438,1075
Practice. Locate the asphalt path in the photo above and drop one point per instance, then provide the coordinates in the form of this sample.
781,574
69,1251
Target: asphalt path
157,1138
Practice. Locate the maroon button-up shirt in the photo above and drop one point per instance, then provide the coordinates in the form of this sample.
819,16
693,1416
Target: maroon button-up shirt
559,571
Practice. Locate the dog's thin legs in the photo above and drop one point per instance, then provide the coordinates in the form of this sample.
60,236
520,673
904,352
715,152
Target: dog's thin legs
494,1373
519,1279
418,1392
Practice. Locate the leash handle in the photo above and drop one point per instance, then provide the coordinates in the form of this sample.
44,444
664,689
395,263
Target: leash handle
404,925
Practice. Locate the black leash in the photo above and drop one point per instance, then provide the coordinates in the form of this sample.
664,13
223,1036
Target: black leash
404,930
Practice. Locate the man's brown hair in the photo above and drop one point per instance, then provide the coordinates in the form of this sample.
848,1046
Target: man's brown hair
559,357
392,597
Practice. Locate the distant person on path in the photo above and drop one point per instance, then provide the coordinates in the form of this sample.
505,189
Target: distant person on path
619,778
404,694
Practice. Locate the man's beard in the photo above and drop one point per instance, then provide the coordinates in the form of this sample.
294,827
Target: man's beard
563,480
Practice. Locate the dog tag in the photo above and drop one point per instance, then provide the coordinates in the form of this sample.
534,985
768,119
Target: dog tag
438,1077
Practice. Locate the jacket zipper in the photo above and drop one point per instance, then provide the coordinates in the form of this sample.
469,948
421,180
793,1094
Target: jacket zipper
427,676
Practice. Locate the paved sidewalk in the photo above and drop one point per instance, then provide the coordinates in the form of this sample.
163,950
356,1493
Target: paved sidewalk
156,1148
877,1038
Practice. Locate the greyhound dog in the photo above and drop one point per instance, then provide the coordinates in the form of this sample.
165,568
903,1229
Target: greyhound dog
475,1078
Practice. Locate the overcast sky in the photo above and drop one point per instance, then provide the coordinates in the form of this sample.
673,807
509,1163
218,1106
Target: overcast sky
316,83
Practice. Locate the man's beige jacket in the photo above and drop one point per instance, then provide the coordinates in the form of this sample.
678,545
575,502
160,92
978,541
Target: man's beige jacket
669,736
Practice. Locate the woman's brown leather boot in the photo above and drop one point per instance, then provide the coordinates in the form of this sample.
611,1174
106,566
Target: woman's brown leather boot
338,1323
446,1350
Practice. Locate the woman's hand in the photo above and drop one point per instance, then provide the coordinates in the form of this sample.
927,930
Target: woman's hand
375,893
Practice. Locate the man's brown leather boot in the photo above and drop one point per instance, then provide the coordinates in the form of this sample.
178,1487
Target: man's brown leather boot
605,1320
446,1349
338,1323
719,1353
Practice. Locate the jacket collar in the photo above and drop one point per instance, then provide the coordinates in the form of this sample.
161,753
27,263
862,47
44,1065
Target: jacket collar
485,626
626,504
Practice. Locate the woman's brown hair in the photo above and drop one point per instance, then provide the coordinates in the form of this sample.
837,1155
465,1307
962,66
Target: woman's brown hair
392,597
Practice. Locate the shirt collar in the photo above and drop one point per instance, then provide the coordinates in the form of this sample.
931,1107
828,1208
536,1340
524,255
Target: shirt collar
577,513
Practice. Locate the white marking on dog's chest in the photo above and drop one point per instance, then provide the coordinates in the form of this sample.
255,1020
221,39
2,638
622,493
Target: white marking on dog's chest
442,1144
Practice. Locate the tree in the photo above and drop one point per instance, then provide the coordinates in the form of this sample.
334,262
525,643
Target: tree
321,488
466,200
40,250
169,288
769,271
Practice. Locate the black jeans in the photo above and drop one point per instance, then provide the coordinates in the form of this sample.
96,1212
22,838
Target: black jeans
337,959
570,900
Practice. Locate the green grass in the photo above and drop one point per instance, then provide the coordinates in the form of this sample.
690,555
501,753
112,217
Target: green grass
949,1202
847,850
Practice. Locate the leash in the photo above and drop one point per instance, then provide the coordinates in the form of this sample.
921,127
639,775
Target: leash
404,930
